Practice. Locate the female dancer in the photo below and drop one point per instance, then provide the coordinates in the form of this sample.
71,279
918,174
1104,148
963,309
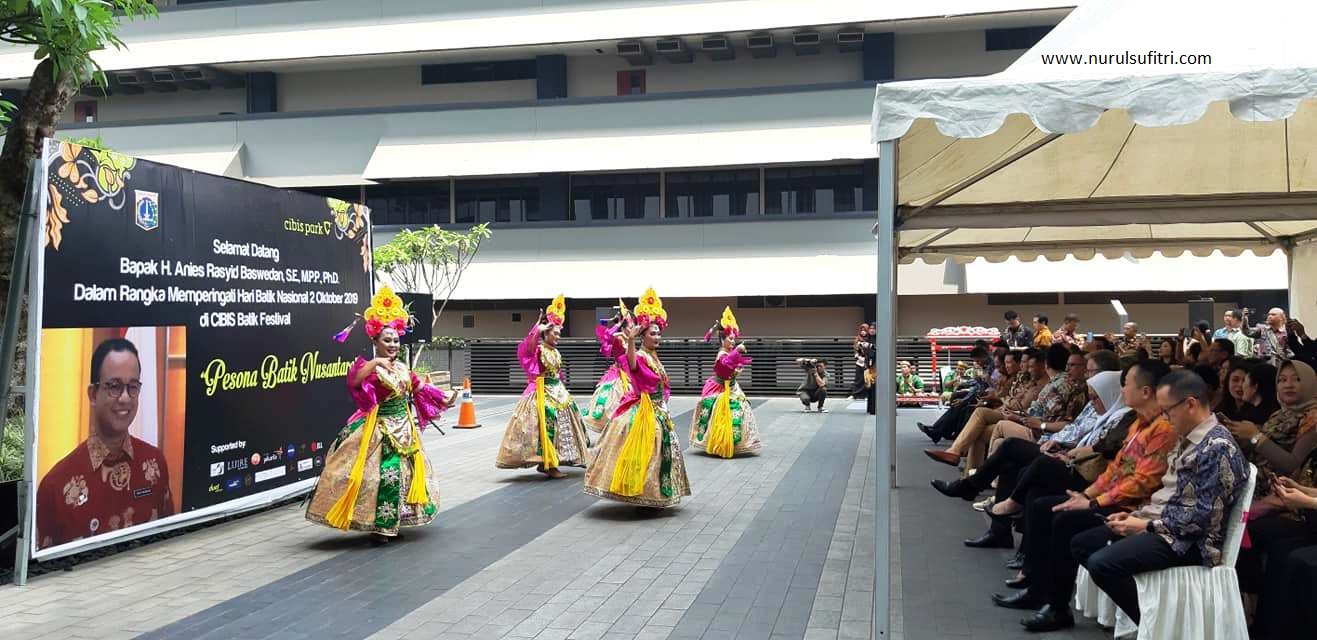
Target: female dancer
614,383
639,459
377,477
723,424
546,412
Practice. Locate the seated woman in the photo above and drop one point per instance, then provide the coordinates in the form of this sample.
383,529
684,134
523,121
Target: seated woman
1258,400
1029,428
1288,604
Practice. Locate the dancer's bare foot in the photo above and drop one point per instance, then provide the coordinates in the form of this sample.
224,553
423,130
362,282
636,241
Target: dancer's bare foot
553,473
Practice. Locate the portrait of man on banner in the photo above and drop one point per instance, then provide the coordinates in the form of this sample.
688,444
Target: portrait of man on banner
110,430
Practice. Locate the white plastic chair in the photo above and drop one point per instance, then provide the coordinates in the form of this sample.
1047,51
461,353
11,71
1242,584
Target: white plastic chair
1189,602
1199,602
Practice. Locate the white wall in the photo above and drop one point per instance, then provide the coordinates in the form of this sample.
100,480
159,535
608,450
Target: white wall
947,55
388,86
150,106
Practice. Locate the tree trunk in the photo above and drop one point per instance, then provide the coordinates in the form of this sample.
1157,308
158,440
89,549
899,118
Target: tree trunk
46,99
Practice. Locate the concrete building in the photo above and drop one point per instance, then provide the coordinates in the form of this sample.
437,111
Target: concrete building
717,150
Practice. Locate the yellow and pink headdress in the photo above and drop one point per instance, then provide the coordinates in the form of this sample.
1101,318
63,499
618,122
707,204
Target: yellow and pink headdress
727,324
386,310
649,310
556,312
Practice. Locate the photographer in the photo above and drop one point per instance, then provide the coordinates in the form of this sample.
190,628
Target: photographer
815,387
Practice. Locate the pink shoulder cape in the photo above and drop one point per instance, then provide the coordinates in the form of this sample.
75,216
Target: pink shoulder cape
429,401
723,368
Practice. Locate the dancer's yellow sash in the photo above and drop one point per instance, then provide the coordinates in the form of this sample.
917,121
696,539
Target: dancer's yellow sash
417,493
633,460
550,452
340,515
720,441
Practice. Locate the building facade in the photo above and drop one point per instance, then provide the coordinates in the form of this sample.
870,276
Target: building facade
717,150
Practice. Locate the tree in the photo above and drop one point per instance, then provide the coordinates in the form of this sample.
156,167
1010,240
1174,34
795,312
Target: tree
65,33
431,260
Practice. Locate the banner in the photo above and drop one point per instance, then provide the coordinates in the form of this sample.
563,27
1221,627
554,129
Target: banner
184,364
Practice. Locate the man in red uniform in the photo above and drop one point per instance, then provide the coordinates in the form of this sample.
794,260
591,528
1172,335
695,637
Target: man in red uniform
113,480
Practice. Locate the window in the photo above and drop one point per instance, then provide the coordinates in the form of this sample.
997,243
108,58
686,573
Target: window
504,200
413,203
478,71
709,194
84,111
814,190
468,321
516,317
615,196
631,82
1012,39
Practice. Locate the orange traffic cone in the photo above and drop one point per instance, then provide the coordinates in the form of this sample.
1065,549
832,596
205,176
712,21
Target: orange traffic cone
466,416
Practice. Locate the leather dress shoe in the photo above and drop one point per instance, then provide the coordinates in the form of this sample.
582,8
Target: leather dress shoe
993,539
1049,618
929,431
1016,563
1019,600
956,489
945,457
1021,582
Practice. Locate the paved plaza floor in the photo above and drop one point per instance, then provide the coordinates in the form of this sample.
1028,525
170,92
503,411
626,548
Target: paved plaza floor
776,546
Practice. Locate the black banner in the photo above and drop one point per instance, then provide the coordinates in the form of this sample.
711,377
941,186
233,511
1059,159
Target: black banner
231,292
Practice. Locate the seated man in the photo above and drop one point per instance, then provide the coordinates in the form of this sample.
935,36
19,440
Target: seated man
1185,522
815,387
113,480
1025,374
1031,429
907,383
1053,521
1057,404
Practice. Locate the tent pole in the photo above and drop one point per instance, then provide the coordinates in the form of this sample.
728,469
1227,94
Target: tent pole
884,439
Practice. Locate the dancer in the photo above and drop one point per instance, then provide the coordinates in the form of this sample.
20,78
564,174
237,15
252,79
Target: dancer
614,384
546,412
723,424
639,459
377,477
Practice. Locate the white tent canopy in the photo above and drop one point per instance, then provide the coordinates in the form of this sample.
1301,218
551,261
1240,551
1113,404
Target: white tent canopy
1132,127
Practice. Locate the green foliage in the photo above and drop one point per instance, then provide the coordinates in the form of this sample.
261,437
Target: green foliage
68,31
430,260
11,449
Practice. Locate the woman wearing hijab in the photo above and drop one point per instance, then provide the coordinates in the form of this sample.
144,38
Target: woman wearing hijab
1282,449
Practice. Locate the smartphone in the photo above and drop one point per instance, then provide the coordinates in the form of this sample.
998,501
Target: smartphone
1221,417
1090,336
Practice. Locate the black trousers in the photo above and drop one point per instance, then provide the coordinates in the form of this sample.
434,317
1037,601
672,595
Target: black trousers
1048,560
952,420
1113,562
1265,569
1044,476
871,401
857,387
1004,465
1294,613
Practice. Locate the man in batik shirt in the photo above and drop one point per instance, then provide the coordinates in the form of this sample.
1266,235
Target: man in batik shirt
113,480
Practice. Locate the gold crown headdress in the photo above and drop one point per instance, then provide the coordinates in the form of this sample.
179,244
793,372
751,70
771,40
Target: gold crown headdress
727,323
556,312
386,310
649,310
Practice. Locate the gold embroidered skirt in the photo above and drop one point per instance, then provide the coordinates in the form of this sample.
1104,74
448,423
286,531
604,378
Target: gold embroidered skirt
566,430
744,428
665,480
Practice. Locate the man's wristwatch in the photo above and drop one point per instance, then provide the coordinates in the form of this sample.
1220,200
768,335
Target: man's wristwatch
1149,528
1256,440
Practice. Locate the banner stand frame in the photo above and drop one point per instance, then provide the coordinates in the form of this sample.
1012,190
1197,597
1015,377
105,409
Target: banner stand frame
18,285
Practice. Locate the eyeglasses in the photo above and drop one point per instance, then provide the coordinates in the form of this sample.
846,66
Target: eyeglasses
115,388
1166,412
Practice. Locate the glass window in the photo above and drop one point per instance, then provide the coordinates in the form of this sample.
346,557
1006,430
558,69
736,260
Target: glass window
615,196
412,203
709,194
814,190
503,200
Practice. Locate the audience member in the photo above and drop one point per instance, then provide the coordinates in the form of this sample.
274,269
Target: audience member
1234,332
1230,396
1068,334
1271,339
1053,522
1017,335
1057,404
1282,444
1042,336
1026,374
1030,428
1185,521
1303,347
1171,352
1219,352
1288,605
1194,355
1130,341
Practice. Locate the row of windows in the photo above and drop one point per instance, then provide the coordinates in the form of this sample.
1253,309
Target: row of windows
817,190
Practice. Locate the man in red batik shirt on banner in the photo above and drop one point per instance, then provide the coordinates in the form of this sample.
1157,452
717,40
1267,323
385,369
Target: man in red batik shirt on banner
113,480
